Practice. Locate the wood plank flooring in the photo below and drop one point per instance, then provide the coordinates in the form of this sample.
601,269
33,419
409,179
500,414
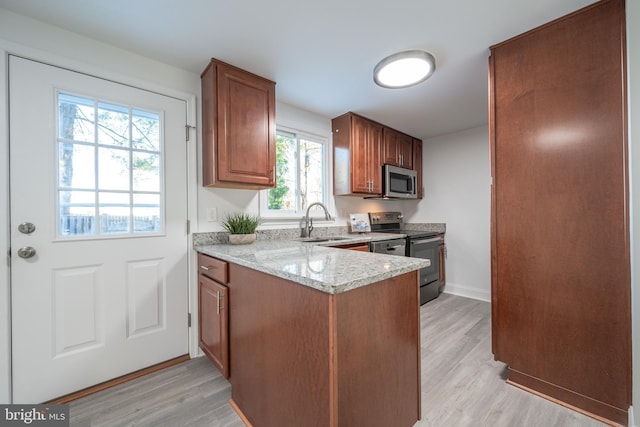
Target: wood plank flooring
461,385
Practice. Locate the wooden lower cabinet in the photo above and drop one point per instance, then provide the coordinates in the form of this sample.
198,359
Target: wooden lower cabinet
362,247
213,310
442,254
305,357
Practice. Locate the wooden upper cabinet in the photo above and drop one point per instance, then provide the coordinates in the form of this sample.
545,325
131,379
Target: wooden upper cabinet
417,164
398,148
239,128
358,155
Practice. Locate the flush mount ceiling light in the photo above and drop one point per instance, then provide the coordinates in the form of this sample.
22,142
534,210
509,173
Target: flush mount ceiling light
404,69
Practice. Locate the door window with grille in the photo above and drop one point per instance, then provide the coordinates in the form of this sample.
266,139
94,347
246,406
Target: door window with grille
109,164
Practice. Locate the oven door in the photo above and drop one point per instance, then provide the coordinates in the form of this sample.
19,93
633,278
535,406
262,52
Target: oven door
426,248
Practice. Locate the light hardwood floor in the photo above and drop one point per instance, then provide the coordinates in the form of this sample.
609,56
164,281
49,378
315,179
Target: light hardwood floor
461,385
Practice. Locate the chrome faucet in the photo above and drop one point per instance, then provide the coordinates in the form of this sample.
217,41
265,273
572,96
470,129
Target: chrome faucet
308,222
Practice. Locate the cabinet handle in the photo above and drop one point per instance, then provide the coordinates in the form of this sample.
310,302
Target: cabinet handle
219,306
208,267
204,267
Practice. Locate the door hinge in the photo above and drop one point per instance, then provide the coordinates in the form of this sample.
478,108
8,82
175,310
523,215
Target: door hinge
188,227
186,129
189,319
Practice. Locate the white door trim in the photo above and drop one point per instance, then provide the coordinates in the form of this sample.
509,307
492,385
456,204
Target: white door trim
5,295
9,48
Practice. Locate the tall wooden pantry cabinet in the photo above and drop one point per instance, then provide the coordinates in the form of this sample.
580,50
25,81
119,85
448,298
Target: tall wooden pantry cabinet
561,316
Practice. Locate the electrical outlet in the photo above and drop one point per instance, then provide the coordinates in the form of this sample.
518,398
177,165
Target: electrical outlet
212,214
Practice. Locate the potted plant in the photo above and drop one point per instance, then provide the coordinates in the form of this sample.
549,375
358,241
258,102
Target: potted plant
241,228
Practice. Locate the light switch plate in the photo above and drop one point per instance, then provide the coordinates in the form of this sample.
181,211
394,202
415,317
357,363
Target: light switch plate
212,214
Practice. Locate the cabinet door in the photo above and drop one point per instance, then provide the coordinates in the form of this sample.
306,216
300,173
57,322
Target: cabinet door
398,148
246,128
366,156
561,303
213,321
417,164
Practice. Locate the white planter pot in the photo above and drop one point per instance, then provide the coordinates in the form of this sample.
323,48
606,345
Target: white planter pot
241,239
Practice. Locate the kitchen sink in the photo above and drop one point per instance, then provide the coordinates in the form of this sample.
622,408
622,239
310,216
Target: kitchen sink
323,239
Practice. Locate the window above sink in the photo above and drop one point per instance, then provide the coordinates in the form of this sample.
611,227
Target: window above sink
302,175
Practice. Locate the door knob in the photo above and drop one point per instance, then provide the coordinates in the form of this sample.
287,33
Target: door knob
26,228
26,252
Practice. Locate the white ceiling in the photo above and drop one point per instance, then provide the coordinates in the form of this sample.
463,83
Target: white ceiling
321,54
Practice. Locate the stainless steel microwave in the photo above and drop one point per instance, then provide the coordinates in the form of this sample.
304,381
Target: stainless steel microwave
399,183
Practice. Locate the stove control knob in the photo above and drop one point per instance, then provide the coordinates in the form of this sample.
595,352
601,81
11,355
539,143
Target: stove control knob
400,217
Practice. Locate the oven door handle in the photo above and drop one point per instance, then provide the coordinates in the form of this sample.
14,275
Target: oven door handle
435,239
394,247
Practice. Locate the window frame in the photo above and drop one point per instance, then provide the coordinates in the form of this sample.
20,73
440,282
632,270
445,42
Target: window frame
268,215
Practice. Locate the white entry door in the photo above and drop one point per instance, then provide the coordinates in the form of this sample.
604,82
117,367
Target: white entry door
98,230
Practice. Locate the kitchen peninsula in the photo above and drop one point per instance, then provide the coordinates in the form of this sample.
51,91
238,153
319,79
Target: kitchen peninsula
320,336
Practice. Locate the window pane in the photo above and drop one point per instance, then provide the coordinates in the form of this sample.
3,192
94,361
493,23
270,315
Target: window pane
76,118
76,165
113,125
113,169
146,213
146,172
145,130
114,213
113,173
283,196
77,213
311,173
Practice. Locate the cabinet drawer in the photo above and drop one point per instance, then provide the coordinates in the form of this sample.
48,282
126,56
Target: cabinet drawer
213,268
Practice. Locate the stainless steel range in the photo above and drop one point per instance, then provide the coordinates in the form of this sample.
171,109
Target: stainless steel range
418,244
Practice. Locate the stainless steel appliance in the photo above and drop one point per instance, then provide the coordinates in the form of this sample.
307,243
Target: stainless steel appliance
419,244
390,247
398,183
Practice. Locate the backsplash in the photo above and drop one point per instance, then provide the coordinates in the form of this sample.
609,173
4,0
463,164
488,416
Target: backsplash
221,237
438,227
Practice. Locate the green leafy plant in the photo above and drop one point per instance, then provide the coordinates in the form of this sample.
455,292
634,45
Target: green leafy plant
240,223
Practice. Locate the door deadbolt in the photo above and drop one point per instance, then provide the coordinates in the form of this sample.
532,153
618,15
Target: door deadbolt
26,228
26,252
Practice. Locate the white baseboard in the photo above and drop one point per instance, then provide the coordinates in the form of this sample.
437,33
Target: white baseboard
465,291
631,420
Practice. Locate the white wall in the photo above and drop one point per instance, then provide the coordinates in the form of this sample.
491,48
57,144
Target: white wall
231,200
633,58
457,179
32,39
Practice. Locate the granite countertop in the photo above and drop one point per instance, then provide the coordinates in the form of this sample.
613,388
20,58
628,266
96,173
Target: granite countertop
317,265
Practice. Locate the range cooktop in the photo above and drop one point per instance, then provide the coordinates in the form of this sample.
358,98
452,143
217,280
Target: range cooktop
393,222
